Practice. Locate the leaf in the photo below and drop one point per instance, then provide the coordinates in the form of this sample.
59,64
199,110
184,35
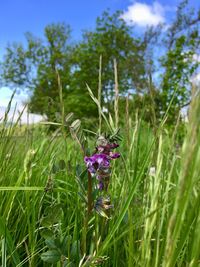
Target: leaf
75,250
66,243
62,165
53,215
111,122
50,123
69,116
50,242
56,210
55,168
51,256
47,234
46,222
75,125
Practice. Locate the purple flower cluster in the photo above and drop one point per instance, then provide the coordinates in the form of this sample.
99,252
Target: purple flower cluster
99,163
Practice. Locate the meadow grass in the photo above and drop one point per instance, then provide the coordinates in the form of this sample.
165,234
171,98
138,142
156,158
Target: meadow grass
154,188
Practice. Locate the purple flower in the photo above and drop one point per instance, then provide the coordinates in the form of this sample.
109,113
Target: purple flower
114,155
90,164
96,162
99,163
107,150
114,145
100,185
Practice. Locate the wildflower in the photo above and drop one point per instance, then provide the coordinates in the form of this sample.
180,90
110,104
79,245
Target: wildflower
98,165
100,185
102,206
106,149
96,162
114,155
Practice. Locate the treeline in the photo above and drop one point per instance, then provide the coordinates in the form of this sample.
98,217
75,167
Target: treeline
153,67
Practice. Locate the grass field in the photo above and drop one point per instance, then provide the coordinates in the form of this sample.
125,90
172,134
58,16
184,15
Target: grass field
154,188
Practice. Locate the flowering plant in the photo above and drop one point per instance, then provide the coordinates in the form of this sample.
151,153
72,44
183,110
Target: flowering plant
99,166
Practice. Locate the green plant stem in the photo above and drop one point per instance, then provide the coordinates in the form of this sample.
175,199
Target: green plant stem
90,204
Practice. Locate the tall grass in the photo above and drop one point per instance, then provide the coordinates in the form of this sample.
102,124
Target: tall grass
156,215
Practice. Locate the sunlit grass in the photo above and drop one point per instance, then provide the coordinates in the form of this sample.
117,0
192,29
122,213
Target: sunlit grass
156,216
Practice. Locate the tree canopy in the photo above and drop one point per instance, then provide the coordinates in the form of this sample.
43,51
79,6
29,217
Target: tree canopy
34,66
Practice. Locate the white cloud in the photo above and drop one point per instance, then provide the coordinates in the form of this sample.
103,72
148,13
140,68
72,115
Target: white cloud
25,118
18,104
145,15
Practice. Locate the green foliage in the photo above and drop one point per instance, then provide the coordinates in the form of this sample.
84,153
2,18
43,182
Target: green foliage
45,65
180,63
155,185
180,66
34,67
155,219
52,215
112,39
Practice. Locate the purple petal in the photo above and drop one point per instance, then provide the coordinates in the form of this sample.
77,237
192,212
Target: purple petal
91,169
97,161
114,145
102,160
100,185
114,155
89,160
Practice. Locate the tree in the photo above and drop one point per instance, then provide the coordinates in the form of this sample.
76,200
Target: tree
183,44
34,68
111,39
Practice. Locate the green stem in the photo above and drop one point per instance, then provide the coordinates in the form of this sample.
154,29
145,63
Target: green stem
90,202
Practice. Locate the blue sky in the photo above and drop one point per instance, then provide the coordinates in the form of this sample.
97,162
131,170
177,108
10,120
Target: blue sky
20,16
